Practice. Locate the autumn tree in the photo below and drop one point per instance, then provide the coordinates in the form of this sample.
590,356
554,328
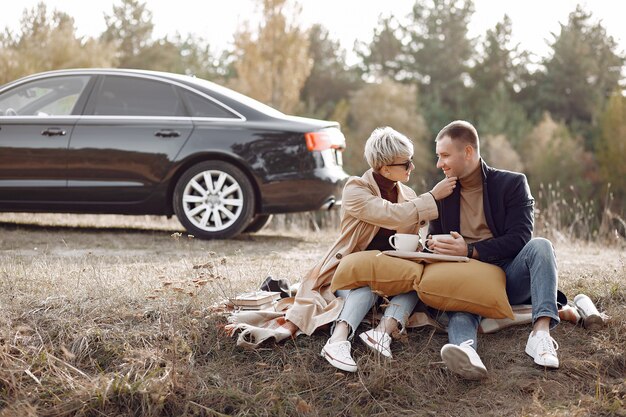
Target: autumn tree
388,103
498,152
48,41
552,155
611,147
272,62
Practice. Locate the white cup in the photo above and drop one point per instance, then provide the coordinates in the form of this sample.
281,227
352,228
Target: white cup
437,238
404,242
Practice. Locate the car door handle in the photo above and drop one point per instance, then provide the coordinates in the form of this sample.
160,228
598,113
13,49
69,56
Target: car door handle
53,131
166,133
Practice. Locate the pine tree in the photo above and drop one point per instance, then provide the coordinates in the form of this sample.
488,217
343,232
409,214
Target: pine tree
438,56
384,56
579,76
497,77
129,28
331,79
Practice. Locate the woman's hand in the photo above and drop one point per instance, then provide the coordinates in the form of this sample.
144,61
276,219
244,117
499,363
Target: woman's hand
443,188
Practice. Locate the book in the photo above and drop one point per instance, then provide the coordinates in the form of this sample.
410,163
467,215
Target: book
255,298
266,306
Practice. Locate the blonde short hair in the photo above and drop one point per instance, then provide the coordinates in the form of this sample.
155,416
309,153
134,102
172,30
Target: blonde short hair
385,144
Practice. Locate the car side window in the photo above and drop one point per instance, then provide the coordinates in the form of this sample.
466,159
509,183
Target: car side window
203,107
132,96
54,96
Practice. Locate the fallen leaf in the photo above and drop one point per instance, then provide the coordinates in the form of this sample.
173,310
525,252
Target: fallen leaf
68,355
303,407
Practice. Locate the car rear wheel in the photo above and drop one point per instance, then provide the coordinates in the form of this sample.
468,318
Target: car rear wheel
214,200
258,222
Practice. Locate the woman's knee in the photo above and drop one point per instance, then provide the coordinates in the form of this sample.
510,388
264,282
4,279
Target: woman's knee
360,296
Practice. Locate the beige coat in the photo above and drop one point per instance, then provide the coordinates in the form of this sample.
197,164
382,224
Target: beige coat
363,213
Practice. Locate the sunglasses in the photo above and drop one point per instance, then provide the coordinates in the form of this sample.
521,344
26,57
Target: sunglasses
406,165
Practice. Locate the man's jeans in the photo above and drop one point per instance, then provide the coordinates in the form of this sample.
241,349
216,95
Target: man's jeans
530,277
359,301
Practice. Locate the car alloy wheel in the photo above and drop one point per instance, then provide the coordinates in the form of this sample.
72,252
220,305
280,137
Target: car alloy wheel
214,199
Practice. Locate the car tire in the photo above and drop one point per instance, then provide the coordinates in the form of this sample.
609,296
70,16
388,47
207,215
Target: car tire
258,222
220,209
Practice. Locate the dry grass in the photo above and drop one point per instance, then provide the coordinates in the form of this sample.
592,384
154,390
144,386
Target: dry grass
561,215
110,315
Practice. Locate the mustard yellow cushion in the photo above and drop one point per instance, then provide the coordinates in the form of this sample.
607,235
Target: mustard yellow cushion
474,287
386,274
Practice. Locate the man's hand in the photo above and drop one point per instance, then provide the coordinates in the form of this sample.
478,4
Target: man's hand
454,245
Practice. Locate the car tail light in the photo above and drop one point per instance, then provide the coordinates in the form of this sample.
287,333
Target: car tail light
325,139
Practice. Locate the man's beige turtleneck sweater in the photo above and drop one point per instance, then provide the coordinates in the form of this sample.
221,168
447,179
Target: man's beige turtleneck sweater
473,223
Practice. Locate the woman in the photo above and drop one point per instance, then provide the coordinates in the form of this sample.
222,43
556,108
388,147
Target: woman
374,207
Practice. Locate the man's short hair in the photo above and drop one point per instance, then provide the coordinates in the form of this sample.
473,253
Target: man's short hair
385,144
461,131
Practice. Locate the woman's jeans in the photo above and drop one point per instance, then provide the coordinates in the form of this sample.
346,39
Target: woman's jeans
359,301
530,277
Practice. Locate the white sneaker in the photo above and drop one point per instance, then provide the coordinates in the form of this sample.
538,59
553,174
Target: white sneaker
592,318
338,355
463,360
542,348
378,341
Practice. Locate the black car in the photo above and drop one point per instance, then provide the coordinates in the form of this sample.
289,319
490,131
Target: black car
143,142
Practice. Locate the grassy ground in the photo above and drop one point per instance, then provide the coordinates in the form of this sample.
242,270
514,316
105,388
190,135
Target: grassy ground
108,315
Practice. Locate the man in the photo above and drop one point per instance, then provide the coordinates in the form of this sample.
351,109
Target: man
490,218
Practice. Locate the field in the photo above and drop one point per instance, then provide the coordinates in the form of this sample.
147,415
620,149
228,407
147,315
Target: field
113,316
